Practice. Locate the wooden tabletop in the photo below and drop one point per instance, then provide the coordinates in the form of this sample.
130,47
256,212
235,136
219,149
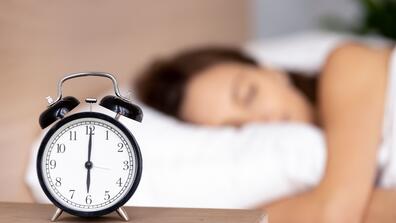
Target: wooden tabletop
37,213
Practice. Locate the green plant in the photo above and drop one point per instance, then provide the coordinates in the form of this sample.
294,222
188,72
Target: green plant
378,16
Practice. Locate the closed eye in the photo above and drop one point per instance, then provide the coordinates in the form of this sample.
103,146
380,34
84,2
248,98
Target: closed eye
250,94
244,90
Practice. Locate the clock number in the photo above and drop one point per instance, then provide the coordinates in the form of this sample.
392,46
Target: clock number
88,199
107,195
72,193
60,148
119,183
52,164
107,134
58,182
73,135
89,128
126,165
120,147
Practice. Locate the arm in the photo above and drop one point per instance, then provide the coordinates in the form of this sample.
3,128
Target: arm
307,208
382,207
352,92
352,95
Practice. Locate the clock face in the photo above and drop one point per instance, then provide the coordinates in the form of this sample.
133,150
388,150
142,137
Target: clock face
89,164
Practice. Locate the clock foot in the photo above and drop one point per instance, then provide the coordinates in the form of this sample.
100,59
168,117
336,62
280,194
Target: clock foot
122,213
56,215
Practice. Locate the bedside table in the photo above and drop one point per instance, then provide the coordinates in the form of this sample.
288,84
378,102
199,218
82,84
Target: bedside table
38,213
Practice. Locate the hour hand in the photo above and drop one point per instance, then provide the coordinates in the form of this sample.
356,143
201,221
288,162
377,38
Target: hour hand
88,179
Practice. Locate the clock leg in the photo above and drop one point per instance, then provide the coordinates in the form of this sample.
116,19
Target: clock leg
122,213
56,215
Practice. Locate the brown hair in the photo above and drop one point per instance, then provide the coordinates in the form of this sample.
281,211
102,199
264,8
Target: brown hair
162,84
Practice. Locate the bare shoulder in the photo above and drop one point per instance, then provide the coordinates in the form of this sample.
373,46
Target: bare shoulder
354,79
350,59
355,67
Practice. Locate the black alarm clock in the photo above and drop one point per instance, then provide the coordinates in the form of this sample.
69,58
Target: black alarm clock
88,163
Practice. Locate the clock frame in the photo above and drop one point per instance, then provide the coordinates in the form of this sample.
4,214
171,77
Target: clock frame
130,138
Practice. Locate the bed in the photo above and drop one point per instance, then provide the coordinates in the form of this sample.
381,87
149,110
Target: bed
228,167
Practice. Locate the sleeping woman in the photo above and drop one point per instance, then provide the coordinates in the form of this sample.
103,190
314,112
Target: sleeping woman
222,86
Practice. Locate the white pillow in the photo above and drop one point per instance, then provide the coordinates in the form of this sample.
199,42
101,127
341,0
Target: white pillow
190,166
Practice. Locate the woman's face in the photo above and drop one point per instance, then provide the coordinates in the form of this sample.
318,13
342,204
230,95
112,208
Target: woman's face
236,94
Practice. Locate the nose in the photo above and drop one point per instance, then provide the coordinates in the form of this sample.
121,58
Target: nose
269,117
260,117
263,116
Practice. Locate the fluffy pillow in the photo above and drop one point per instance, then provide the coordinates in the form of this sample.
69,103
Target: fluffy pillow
191,166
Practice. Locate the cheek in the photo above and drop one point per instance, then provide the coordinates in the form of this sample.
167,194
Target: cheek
206,106
271,97
271,103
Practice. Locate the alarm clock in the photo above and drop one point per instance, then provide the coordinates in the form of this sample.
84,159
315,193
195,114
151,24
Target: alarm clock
89,164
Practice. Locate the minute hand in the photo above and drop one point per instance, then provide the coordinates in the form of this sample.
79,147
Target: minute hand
90,145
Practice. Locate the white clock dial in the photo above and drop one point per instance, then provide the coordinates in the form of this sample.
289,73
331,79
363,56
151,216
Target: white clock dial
88,171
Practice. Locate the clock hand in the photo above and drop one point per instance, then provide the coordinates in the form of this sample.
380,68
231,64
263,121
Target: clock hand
88,179
88,164
101,167
90,145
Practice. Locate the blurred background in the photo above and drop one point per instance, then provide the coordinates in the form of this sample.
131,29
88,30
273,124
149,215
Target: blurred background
42,40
